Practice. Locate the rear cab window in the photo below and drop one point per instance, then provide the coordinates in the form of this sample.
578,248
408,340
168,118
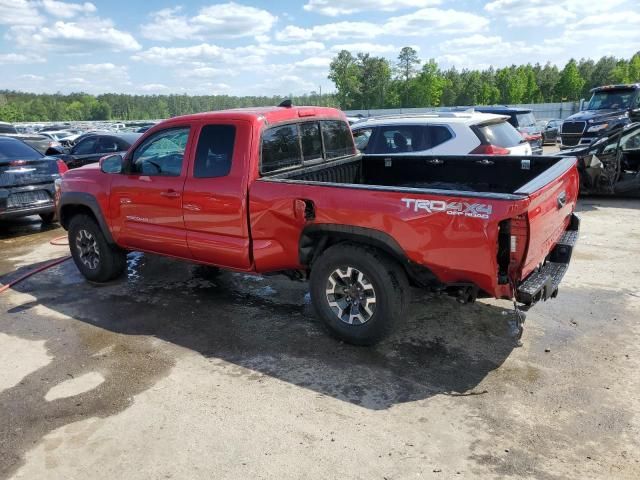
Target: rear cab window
303,143
501,134
214,152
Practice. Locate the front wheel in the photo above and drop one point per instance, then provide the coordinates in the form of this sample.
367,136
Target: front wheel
358,292
96,259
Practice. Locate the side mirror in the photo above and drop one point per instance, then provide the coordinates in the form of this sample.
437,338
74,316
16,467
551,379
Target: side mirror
112,164
635,113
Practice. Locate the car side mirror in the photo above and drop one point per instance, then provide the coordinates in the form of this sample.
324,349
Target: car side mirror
635,112
112,164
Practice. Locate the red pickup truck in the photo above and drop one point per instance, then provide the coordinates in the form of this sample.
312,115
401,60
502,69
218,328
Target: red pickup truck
283,189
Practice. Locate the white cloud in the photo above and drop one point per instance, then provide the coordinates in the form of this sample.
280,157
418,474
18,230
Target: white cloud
225,20
315,62
426,21
203,54
85,36
30,77
19,58
154,87
330,31
366,47
19,12
67,10
333,8
432,21
547,13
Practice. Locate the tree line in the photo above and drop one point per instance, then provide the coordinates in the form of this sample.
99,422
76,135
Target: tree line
362,81
367,82
31,107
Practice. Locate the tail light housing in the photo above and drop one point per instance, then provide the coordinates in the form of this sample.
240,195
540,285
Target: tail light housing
62,167
488,149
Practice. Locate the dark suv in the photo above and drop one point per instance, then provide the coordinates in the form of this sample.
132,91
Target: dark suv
523,120
27,180
611,107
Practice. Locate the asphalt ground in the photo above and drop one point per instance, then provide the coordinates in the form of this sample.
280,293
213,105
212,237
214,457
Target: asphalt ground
175,371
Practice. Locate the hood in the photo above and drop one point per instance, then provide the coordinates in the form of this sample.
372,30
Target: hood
596,115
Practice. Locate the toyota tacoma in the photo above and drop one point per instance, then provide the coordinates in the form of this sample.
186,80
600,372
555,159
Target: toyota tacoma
284,189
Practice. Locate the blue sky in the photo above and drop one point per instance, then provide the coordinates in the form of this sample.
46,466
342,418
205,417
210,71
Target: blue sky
275,48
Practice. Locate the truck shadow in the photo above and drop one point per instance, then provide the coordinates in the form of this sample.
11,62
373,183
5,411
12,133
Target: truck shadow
266,325
246,326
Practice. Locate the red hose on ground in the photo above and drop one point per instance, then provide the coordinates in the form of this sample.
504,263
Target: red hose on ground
53,263
57,241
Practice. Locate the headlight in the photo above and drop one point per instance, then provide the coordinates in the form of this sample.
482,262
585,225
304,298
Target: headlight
597,128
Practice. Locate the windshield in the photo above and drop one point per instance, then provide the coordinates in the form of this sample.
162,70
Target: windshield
11,149
526,120
611,100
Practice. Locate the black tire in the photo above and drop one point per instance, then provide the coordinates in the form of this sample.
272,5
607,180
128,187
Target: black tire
390,289
96,259
47,218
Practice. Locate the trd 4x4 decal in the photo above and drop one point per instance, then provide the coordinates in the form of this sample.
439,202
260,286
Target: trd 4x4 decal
473,210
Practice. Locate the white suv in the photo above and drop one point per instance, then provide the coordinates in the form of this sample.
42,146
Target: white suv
439,133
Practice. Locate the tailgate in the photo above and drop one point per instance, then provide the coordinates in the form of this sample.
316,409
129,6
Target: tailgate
553,196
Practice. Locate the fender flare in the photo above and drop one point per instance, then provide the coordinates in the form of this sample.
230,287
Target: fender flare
87,200
316,235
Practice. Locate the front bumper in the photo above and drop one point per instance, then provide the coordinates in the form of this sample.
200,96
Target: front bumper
543,283
43,206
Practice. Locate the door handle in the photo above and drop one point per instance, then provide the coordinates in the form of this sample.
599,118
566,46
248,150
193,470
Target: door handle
170,194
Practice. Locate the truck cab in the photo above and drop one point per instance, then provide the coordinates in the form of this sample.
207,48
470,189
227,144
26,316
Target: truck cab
611,107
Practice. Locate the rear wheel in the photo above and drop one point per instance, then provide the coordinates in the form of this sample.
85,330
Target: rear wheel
358,292
96,259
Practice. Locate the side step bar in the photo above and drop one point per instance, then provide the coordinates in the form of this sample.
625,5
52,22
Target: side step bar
543,283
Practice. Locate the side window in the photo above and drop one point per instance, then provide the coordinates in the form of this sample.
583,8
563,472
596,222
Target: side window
338,141
107,145
631,141
401,139
85,147
122,145
215,151
280,148
439,135
361,137
162,153
311,141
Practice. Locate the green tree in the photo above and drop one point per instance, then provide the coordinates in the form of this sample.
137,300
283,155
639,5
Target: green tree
634,68
374,78
406,67
570,83
343,72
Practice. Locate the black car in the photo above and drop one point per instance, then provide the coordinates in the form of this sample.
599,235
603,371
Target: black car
550,130
523,120
27,181
610,108
95,146
611,164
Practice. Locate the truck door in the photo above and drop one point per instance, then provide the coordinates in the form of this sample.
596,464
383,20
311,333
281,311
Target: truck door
215,195
146,201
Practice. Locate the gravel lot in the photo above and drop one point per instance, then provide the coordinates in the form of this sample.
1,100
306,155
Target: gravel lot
177,373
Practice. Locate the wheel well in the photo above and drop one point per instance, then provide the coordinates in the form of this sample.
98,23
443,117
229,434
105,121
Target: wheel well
316,239
67,212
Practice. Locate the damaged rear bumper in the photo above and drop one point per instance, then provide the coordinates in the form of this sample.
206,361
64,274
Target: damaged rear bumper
543,283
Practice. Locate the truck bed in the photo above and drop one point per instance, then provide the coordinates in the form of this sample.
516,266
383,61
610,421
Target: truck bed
473,175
